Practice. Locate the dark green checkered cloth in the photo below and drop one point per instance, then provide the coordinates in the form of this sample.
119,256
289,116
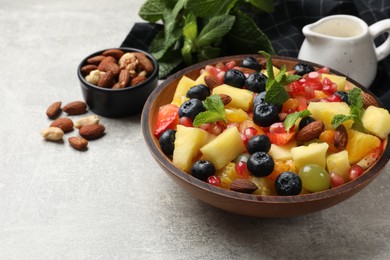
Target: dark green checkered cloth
284,28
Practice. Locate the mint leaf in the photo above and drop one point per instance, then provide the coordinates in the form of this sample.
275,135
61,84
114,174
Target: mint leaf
151,11
292,118
208,8
337,120
215,111
214,30
264,5
356,112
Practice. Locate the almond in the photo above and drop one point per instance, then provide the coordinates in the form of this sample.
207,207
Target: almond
340,139
144,62
113,67
137,80
369,100
226,99
91,132
117,86
107,80
75,108
211,81
96,59
78,143
309,132
116,53
104,62
85,70
243,185
64,123
54,109
124,78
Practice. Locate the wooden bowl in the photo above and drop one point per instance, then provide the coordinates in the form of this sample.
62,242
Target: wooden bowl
241,203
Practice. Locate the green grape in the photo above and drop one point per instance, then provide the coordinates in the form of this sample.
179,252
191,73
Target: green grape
314,178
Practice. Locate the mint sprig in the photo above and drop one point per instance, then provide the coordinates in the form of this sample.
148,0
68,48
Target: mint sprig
292,118
275,92
215,111
356,112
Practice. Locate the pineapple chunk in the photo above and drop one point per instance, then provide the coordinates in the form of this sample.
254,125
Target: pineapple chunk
187,144
241,98
325,111
359,144
376,121
313,153
200,79
224,148
275,69
236,115
338,163
282,152
183,86
339,80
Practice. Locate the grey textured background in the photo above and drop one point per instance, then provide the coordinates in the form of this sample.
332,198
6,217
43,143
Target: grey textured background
113,201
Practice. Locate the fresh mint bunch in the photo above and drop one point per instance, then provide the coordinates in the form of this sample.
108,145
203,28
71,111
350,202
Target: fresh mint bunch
197,30
215,111
355,98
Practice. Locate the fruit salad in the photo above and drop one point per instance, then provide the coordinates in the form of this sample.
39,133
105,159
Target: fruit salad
252,127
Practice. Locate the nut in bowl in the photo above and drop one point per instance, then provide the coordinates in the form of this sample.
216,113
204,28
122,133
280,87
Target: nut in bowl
242,154
116,82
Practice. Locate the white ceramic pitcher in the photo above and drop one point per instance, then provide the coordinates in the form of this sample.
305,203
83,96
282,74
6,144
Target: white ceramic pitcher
346,43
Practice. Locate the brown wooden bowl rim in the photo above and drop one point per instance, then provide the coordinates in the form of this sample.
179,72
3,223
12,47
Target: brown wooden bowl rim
165,162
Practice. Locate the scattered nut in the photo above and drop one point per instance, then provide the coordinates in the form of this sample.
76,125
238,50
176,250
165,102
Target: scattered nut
52,133
116,53
309,132
106,80
137,80
64,123
85,70
369,100
54,109
340,139
96,59
91,132
75,108
243,185
78,143
105,61
226,99
89,120
211,82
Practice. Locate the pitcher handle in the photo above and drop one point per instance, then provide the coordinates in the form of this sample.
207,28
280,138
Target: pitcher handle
376,30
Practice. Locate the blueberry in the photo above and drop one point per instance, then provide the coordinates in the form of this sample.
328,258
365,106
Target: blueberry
202,169
167,141
305,121
265,114
200,92
234,78
343,95
259,99
303,68
256,82
191,108
251,63
288,183
260,164
258,143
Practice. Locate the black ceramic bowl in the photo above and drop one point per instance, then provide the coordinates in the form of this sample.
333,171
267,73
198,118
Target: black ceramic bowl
118,102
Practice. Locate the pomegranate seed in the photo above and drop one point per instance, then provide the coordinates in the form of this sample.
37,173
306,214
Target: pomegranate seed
334,98
216,129
277,128
230,65
247,134
329,89
211,70
314,76
355,171
336,180
214,180
206,126
185,121
309,93
324,70
326,81
221,75
316,85
242,170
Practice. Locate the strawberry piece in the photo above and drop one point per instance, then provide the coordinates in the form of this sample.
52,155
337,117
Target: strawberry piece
280,138
167,118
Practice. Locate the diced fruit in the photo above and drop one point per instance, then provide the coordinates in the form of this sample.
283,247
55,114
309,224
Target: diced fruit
179,100
325,111
370,158
202,170
339,80
183,86
227,175
224,148
200,79
338,163
236,115
241,98
249,123
327,136
234,78
359,144
260,164
275,70
336,180
314,178
187,144
355,171
282,166
265,186
282,152
376,120
288,183
313,153
280,138
167,118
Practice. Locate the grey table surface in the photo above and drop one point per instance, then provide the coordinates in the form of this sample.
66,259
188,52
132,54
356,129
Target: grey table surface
113,201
